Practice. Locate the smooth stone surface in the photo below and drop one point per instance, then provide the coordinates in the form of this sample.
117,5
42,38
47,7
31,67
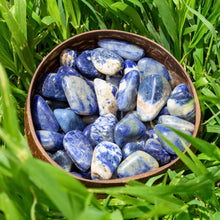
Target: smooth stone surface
172,137
129,148
114,80
50,140
153,93
127,93
164,111
43,117
154,148
67,70
80,95
103,129
180,88
176,123
128,129
61,158
68,58
105,160
152,134
106,62
69,120
124,49
181,105
106,96
78,149
136,163
130,65
85,65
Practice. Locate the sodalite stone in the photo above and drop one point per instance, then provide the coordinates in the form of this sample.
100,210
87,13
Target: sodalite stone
103,129
79,149
180,88
106,62
85,65
181,105
124,49
67,70
154,148
61,158
106,96
105,160
43,117
68,58
114,80
164,111
136,163
128,129
69,120
176,123
152,134
130,65
153,93
129,148
50,140
127,93
57,104
80,95
172,137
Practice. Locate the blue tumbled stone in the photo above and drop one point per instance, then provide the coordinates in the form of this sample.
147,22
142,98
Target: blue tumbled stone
69,120
129,148
106,62
154,148
53,104
136,163
50,140
152,134
79,149
67,70
127,93
164,111
128,129
43,117
153,93
142,140
181,105
130,65
124,49
105,160
80,95
180,88
68,58
114,80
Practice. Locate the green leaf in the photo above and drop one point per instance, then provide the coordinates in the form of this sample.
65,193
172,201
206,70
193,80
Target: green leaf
213,128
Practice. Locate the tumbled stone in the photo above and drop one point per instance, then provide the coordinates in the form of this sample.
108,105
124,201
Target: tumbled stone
152,134
103,129
43,117
78,149
69,120
105,160
80,95
164,111
50,140
136,163
85,65
128,129
130,65
106,96
125,49
181,105
153,93
142,140
67,70
106,61
114,79
180,88
129,148
154,148
53,104
127,93
68,58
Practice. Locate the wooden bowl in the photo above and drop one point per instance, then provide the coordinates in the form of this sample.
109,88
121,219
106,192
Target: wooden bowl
89,40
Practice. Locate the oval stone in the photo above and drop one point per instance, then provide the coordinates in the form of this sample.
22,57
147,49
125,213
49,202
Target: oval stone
68,58
129,148
180,88
130,65
114,79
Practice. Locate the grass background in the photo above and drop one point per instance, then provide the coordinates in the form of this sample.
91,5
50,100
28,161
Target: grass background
32,189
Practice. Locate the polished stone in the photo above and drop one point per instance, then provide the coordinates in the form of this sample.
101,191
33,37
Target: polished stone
164,111
53,104
153,93
136,163
130,65
67,70
68,58
129,148
114,79
152,134
180,88
124,49
105,160
106,61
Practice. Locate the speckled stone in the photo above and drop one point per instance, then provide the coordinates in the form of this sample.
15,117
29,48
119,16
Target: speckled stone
50,140
105,160
103,129
124,49
136,163
130,65
106,61
154,148
152,134
128,129
180,88
153,93
181,105
129,148
67,70
127,93
69,120
114,79
80,95
142,140
78,149
85,65
68,58
43,117
106,96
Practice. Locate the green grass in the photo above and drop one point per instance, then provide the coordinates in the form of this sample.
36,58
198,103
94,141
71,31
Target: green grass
32,189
